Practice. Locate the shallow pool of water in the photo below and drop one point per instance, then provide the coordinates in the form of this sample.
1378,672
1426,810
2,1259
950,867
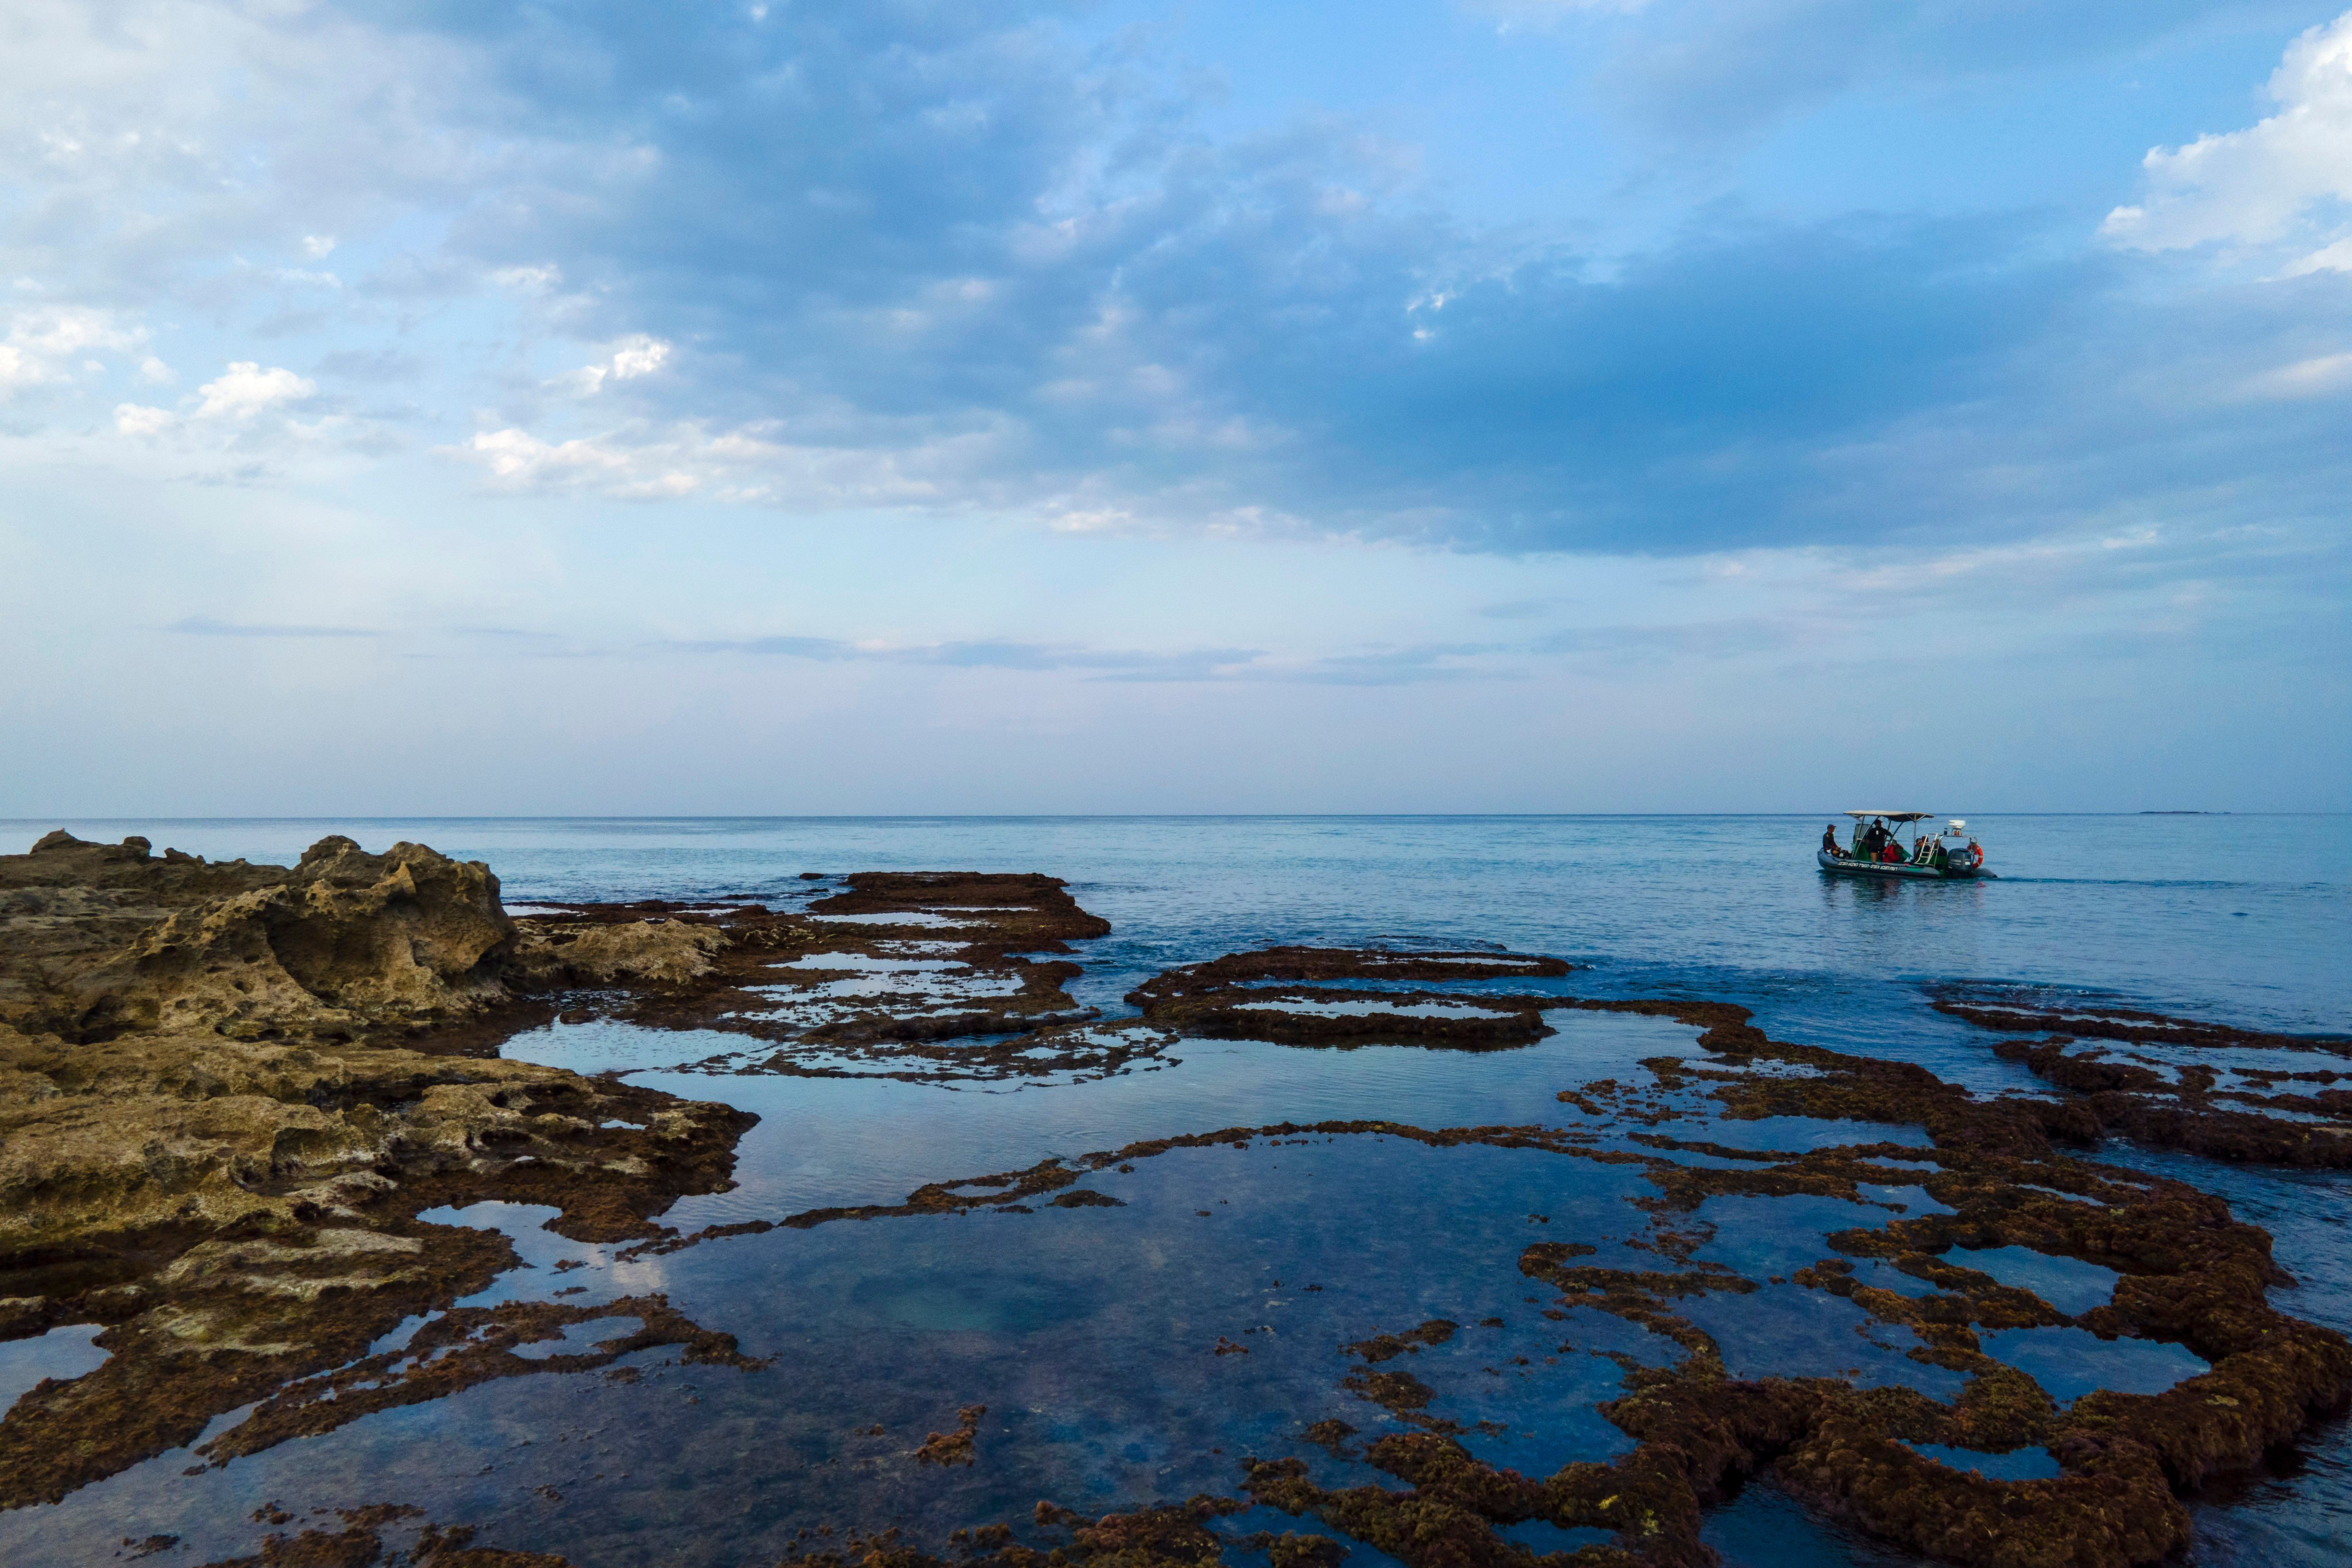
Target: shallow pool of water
63,1352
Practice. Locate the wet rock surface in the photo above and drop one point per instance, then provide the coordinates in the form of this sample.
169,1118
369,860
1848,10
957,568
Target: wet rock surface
220,1115
234,1090
377,1533
1351,997
2209,1089
917,976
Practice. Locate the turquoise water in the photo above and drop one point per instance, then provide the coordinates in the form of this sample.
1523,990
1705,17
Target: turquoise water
1086,1332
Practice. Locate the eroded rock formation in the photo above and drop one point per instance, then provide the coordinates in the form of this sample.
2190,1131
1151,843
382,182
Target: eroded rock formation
224,1101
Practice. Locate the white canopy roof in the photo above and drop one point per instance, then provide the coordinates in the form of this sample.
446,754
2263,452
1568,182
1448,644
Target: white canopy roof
1894,815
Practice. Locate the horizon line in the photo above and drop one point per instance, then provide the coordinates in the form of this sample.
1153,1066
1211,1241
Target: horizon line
1093,815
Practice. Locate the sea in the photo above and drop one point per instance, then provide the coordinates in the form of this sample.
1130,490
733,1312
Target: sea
1084,1331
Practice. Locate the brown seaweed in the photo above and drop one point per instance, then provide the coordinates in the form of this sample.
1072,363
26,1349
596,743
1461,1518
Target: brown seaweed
1228,997
2244,1120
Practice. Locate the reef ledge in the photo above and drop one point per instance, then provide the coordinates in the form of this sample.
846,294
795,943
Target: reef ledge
226,1092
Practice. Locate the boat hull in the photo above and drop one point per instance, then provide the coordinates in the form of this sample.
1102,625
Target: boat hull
1843,866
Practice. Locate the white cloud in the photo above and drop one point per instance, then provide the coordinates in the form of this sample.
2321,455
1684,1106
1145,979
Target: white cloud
751,464
520,460
531,279
245,389
2314,377
2336,258
42,344
177,130
1511,13
2268,182
139,420
639,356
632,357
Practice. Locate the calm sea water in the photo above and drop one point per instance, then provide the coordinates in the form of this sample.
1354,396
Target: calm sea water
2238,918
1068,1323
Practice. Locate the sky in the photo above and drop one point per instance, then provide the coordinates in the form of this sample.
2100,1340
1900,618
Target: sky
1459,406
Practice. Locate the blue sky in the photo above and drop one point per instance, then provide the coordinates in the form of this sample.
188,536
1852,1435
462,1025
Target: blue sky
1473,405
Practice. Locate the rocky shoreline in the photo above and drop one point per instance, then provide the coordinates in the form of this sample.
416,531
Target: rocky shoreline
228,1092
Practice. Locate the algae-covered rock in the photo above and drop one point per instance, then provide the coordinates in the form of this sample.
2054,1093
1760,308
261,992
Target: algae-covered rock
650,952
223,1101
344,938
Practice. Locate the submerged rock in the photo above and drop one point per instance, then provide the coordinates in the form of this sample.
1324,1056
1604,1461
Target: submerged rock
1340,996
2243,1095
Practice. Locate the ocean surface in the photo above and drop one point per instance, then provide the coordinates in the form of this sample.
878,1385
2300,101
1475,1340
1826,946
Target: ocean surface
1080,1330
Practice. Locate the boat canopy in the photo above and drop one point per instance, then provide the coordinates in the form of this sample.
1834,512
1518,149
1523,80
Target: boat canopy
1894,816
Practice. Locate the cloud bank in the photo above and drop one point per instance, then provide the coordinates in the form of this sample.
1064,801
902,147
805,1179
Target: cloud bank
917,255
878,347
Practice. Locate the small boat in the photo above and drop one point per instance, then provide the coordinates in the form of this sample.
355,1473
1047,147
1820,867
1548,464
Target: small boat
1879,849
